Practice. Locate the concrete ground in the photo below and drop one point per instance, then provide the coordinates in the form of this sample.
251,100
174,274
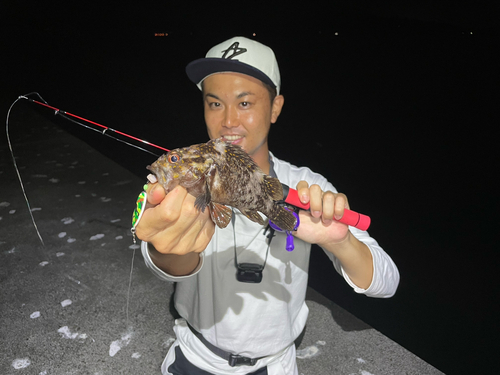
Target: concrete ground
84,303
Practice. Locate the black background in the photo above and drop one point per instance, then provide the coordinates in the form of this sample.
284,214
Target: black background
396,105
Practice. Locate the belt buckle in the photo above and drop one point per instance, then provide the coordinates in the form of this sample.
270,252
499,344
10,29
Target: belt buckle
238,360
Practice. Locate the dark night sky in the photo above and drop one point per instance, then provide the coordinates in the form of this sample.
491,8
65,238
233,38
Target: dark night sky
395,104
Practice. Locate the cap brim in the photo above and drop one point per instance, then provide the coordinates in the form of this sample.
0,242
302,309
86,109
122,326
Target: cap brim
198,70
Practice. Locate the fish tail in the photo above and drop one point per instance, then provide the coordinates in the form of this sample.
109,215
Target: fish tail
282,218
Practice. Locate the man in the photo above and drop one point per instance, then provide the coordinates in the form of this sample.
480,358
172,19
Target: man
230,325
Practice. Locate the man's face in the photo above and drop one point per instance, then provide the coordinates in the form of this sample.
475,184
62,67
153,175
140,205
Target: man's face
238,108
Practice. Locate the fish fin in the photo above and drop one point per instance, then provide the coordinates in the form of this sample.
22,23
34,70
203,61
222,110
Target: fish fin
239,157
283,218
254,216
221,215
272,186
203,199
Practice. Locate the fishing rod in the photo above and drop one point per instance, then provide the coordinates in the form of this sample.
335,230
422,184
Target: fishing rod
290,196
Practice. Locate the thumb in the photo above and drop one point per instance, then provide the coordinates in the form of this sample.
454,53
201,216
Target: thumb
156,194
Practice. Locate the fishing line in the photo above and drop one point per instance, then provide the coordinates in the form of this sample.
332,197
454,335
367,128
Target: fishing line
17,169
130,284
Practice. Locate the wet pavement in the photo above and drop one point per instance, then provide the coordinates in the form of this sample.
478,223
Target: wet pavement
84,302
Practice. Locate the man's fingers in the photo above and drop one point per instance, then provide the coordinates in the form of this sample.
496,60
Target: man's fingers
194,238
303,191
316,207
328,207
340,205
170,208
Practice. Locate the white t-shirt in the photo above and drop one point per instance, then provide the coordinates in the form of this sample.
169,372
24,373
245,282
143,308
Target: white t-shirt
255,320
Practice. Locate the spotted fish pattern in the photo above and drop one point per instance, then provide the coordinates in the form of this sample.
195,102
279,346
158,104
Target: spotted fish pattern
220,174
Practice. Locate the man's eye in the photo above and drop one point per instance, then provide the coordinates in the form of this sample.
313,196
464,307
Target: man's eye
244,104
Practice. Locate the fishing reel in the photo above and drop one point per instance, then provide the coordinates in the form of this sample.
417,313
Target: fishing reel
289,237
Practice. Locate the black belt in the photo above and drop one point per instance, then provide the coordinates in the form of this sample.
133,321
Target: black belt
232,359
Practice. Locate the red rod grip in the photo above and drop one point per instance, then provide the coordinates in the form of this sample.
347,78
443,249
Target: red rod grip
351,218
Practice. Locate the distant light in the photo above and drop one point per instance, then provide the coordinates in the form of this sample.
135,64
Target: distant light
256,34
336,33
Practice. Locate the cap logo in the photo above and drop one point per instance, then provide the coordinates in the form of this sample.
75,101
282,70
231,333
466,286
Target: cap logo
234,48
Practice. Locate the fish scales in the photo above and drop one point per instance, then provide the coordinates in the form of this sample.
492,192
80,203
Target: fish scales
220,174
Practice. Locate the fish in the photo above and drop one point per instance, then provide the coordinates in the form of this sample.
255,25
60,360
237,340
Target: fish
219,174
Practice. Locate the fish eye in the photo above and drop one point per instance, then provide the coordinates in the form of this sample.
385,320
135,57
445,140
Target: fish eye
174,158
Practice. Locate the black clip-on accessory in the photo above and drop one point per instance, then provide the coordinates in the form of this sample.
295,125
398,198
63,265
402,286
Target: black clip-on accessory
250,272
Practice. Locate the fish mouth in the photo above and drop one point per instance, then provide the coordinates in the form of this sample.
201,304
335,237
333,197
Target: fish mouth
152,179
164,179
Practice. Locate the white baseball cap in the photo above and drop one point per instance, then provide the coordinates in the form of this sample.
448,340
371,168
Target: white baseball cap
240,55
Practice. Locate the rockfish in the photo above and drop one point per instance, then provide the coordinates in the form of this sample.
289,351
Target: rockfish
219,173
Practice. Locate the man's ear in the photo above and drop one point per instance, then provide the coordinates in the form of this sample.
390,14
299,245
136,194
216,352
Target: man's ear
278,103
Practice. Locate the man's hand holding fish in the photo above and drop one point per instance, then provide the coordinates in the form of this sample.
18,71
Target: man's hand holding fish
175,230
